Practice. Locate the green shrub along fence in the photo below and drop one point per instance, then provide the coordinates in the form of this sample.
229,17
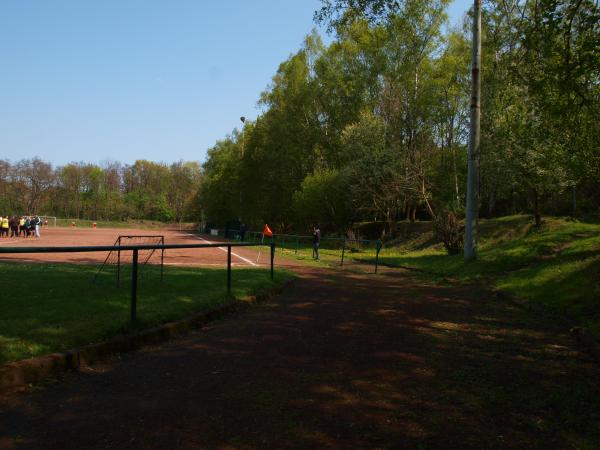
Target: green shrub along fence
341,250
135,258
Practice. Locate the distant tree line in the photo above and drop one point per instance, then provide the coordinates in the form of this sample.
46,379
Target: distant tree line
111,191
374,126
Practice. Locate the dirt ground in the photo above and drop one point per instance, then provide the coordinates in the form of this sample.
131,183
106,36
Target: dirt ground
338,360
57,237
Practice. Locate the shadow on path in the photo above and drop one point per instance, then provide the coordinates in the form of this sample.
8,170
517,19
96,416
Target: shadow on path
338,360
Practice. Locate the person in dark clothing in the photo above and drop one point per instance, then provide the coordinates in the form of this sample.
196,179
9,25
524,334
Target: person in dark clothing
13,223
242,232
37,223
316,241
27,227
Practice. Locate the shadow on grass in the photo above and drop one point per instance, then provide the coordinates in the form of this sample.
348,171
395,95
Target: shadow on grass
61,308
556,266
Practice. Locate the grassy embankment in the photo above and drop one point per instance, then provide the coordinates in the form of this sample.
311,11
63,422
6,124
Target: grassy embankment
55,307
557,266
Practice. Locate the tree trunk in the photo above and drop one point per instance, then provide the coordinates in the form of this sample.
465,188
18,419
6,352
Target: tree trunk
492,203
457,192
513,201
424,194
536,209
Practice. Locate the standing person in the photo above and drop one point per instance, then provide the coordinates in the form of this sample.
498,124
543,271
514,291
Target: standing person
242,232
37,224
13,223
5,226
316,241
22,226
27,226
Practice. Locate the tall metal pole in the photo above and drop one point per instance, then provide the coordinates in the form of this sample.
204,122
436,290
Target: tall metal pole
473,157
243,120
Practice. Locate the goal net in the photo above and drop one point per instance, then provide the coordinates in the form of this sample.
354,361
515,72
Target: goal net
48,220
117,258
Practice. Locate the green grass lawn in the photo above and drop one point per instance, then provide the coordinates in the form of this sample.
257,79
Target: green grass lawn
330,253
557,266
55,307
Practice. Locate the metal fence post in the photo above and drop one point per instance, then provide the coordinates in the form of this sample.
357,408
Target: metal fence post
272,258
379,245
162,258
297,243
229,269
343,251
118,263
134,272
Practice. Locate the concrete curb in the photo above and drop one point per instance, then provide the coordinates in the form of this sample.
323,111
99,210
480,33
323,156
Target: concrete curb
20,374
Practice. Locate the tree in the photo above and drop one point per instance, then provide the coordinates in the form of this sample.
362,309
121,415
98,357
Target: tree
323,198
339,13
185,181
36,177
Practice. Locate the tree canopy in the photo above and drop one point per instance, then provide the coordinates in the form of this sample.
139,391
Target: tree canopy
374,125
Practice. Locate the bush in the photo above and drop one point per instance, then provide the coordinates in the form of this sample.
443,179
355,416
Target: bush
449,230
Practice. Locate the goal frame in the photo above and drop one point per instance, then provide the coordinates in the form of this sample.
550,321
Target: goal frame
160,240
48,218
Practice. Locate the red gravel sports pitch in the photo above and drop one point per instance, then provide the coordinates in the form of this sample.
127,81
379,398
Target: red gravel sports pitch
62,237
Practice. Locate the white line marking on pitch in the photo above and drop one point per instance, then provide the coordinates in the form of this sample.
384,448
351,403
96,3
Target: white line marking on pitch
196,264
223,249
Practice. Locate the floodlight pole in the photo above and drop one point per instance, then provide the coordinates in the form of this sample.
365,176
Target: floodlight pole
243,120
473,156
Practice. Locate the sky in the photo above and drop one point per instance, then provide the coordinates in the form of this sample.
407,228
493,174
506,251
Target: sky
121,80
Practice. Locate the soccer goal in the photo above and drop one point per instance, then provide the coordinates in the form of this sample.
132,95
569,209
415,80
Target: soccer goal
48,220
117,257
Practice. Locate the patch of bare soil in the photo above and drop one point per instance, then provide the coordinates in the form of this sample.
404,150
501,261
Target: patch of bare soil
339,360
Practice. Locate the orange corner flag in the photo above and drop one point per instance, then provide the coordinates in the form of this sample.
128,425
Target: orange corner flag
267,231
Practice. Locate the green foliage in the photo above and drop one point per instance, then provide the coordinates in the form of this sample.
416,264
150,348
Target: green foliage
323,199
536,129
220,188
374,126
111,192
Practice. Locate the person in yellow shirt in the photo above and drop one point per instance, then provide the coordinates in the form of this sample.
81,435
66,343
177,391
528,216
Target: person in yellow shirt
22,226
5,226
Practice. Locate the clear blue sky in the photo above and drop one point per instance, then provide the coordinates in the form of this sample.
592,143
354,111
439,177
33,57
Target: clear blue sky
90,80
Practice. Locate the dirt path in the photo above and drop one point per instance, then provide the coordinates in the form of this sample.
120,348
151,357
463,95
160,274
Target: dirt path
338,360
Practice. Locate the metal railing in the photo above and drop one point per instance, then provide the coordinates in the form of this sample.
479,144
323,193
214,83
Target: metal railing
134,260
298,243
